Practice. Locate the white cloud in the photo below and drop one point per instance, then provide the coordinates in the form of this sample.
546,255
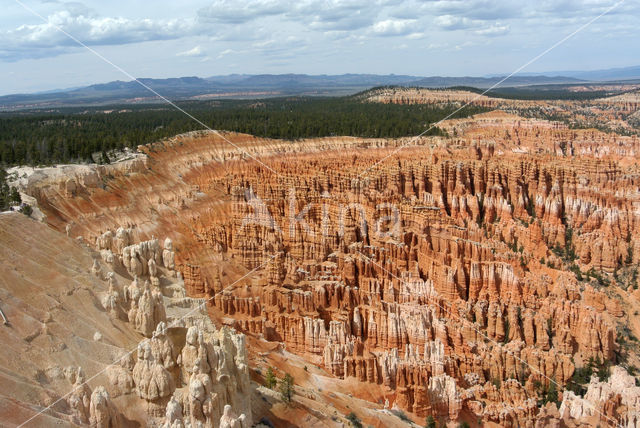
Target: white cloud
320,15
264,43
451,22
478,26
225,53
349,15
234,12
415,36
437,46
493,30
195,52
461,46
489,10
394,27
46,39
328,36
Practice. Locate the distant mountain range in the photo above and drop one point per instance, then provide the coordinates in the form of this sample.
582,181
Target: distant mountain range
265,85
608,74
487,82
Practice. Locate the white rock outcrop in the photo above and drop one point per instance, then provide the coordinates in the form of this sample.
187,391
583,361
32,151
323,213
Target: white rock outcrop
168,255
602,398
102,413
80,397
153,382
191,375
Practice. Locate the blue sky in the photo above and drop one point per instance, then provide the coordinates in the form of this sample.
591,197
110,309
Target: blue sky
160,38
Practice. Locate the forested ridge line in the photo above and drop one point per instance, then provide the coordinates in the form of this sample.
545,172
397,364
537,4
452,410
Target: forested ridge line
69,135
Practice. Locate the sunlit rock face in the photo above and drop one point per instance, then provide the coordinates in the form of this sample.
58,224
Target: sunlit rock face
464,273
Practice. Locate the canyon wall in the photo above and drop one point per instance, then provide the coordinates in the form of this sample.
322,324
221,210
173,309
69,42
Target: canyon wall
468,274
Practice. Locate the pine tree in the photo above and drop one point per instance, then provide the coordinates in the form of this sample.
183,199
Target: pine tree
431,423
15,196
104,159
552,394
286,388
270,379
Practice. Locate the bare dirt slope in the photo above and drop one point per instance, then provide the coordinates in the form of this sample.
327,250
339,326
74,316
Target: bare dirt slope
49,297
86,344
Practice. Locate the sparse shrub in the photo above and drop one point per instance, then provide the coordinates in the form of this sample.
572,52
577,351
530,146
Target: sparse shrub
576,270
26,210
603,370
496,382
354,420
602,281
402,415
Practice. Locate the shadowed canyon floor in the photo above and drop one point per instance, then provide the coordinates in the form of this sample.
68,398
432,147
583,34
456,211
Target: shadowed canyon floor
472,278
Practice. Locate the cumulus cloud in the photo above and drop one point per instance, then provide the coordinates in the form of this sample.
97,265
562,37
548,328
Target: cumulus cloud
478,26
234,12
322,15
452,22
488,10
334,15
533,13
571,8
394,27
239,24
46,39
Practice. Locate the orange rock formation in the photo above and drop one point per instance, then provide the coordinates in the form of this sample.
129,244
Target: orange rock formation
442,272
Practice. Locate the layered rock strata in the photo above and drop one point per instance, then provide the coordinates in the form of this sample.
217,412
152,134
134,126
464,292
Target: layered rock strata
464,273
